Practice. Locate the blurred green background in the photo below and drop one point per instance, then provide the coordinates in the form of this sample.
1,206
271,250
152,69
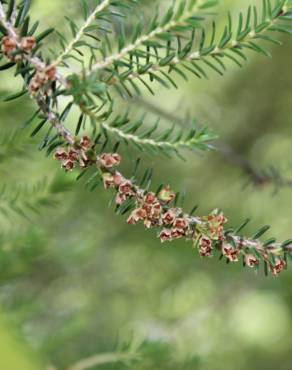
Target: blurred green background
76,280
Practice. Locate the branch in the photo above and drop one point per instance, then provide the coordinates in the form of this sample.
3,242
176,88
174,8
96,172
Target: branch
102,359
230,45
176,21
257,177
98,9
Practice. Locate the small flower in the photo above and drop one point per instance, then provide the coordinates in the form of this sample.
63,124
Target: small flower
149,198
137,215
51,73
166,194
230,253
126,187
177,233
61,154
9,45
112,180
251,260
165,235
278,267
181,223
155,210
85,142
205,247
28,43
68,165
121,198
169,217
109,160
73,155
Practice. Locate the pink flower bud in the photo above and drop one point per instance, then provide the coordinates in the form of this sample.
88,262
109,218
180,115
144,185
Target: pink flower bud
85,142
205,247
181,223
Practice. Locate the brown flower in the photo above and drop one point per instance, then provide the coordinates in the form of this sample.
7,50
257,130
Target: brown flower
149,198
73,155
165,235
85,142
68,165
112,180
230,253
109,160
169,217
126,187
205,247
181,223
251,260
28,43
137,215
61,154
9,45
278,267
177,233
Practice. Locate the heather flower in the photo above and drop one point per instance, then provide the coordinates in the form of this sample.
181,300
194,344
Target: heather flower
136,216
205,247
73,155
85,142
230,253
9,45
181,223
109,160
216,222
251,260
169,217
278,267
112,180
177,233
28,43
126,187
68,165
165,235
61,154
149,198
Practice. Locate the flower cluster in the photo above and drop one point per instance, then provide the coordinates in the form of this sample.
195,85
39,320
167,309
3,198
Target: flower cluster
79,153
43,77
157,210
14,47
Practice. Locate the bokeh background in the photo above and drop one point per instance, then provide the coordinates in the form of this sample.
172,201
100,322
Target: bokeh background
76,280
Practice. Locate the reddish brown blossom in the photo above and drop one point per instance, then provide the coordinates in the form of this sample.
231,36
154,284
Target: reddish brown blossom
61,154
73,155
112,180
9,45
149,198
230,253
136,216
169,217
251,260
177,233
165,235
85,142
278,267
109,160
28,43
205,247
68,165
126,187
181,223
